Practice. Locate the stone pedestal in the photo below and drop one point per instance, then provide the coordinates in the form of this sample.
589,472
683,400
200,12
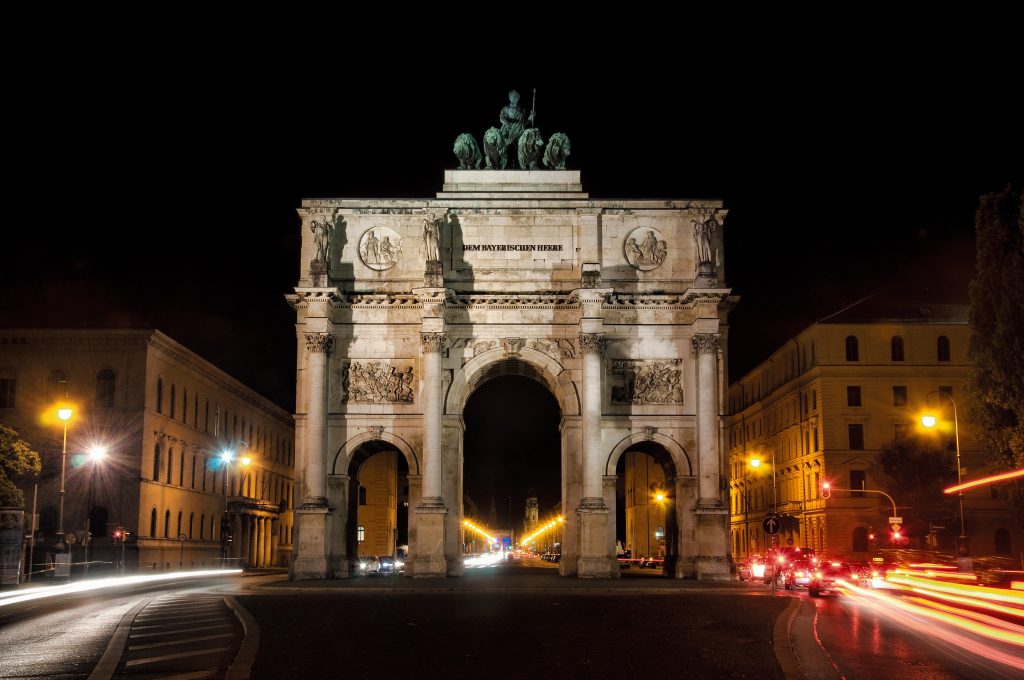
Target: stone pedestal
711,563
706,276
433,277
595,560
310,560
429,559
318,273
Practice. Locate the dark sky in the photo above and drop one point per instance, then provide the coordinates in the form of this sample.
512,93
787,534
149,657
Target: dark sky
160,178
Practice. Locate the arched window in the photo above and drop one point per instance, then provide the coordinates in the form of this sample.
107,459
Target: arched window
896,345
852,348
57,385
362,495
361,533
1002,542
184,405
179,524
8,389
172,399
170,464
167,523
156,462
860,539
206,418
942,348
152,523
202,526
195,413
159,395
191,521
193,470
105,388
181,470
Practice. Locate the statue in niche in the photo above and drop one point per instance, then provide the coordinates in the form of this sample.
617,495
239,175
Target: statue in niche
467,152
531,146
702,233
513,118
322,232
432,238
495,153
557,151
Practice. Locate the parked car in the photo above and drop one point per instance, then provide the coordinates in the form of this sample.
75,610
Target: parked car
825,576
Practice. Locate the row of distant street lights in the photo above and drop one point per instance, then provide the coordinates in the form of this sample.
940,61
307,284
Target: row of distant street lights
929,420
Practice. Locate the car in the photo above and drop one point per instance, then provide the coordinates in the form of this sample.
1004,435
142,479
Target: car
797,574
387,565
369,565
826,576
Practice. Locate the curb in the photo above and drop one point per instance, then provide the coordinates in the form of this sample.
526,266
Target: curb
112,656
782,642
241,667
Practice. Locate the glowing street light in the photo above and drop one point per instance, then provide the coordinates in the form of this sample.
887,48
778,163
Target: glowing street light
929,421
227,456
64,413
97,453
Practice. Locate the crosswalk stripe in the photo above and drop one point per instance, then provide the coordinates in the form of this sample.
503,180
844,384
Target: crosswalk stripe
181,655
142,635
204,612
195,675
180,642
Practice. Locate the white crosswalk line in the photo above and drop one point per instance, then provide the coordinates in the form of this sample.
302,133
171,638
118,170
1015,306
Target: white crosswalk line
180,655
164,632
179,642
195,675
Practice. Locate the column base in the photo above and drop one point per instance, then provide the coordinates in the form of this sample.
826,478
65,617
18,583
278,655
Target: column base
597,557
310,558
712,560
429,560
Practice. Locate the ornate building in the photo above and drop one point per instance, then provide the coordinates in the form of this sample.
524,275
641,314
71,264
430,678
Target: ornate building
826,402
405,306
164,415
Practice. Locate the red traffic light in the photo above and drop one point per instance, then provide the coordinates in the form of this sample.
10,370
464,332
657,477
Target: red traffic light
826,490
118,533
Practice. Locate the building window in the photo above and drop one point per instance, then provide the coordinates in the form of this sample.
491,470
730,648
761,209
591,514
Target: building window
202,526
361,533
942,348
858,480
896,345
181,470
814,400
216,423
179,524
852,348
195,414
206,421
105,388
152,523
191,521
8,390
900,430
184,405
159,395
362,495
172,399
1002,542
193,470
899,395
170,464
156,465
856,436
947,390
57,385
860,539
817,483
167,523
815,433
853,395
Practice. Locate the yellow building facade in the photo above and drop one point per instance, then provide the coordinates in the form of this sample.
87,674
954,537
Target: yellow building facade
165,416
377,498
824,405
647,496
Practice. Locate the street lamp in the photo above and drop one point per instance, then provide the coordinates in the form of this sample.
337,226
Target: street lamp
227,456
930,421
755,462
96,455
64,414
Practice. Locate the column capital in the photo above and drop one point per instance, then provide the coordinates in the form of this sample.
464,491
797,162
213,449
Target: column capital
593,343
432,342
706,343
319,342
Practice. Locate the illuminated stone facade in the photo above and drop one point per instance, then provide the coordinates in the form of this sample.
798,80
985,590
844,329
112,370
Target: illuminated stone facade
826,402
405,306
165,414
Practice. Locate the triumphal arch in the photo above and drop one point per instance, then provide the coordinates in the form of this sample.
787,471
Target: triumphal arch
618,307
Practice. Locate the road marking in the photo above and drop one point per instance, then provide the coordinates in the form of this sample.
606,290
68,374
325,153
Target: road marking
180,624
132,648
181,655
241,667
193,614
184,630
108,662
195,675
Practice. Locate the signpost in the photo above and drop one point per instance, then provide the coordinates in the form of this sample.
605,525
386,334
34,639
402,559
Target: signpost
771,524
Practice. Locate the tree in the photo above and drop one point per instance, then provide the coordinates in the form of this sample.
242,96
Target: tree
16,459
996,350
920,467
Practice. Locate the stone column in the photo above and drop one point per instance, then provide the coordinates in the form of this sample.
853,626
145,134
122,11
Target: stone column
431,511
311,552
595,560
275,530
265,552
712,515
253,539
337,536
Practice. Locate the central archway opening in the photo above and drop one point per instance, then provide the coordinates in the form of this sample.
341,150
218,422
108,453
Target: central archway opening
378,499
512,474
647,531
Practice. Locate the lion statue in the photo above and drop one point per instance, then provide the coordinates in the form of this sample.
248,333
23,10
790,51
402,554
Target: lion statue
557,151
494,149
530,147
467,152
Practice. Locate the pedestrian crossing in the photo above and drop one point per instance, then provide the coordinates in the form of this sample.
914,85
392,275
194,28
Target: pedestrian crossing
181,636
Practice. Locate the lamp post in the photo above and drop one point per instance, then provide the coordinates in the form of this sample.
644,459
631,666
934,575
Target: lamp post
755,462
929,421
65,415
227,456
96,455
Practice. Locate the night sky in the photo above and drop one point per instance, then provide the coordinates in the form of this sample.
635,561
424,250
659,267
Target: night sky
157,193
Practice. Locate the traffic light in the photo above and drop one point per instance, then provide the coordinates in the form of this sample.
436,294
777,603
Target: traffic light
826,490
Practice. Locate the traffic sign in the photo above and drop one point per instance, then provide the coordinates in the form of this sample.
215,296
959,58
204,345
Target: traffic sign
771,524
895,527
895,520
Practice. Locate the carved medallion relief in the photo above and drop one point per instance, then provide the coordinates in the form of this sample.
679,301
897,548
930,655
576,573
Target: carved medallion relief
646,382
645,248
380,248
